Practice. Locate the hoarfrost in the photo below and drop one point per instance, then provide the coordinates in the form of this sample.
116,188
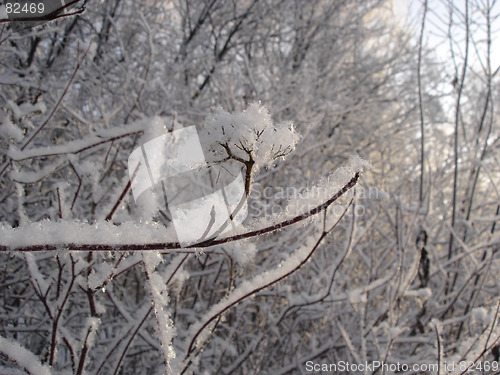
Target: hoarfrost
249,133
24,358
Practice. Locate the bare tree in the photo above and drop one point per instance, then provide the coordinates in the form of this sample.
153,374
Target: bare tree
395,265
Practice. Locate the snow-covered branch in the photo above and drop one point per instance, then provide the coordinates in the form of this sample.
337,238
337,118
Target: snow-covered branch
105,236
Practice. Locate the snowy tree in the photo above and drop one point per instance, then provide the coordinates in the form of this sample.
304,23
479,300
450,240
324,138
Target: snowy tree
396,265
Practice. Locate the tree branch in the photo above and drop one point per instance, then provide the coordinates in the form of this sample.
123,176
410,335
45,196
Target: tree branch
177,245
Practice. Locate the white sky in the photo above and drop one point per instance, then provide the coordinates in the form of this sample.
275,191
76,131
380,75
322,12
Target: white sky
436,27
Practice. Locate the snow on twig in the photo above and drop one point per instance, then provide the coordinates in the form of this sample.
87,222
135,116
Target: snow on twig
105,236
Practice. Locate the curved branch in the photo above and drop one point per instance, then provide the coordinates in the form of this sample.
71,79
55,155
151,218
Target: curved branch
265,284
177,245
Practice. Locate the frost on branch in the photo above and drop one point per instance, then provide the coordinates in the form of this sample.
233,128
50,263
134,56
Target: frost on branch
22,357
235,144
160,301
249,137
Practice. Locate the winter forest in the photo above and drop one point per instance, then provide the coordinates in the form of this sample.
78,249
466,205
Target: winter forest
362,136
